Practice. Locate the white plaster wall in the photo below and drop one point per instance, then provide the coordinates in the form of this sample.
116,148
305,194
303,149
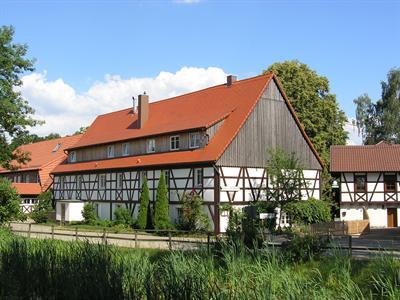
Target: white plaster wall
75,211
351,213
377,217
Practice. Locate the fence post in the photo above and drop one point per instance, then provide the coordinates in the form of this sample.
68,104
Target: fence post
350,245
29,230
208,242
169,240
52,232
76,233
136,241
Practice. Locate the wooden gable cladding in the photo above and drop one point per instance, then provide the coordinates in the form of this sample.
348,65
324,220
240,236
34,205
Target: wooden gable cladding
269,125
375,188
139,146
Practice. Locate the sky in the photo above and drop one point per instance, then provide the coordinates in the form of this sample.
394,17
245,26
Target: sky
93,56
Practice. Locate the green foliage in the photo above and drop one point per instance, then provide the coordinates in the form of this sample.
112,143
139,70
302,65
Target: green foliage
142,221
308,212
15,113
27,138
303,248
51,269
89,214
234,231
122,216
161,207
81,130
380,121
9,203
41,210
194,217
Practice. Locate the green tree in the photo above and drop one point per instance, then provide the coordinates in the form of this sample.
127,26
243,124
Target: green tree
308,212
380,121
194,218
143,220
15,112
81,130
122,216
286,179
26,138
41,210
316,107
10,209
161,207
89,214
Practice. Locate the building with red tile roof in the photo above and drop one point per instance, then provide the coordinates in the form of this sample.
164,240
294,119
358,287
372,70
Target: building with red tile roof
369,179
212,142
33,177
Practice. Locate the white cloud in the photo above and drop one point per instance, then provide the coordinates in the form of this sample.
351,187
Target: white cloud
353,137
65,110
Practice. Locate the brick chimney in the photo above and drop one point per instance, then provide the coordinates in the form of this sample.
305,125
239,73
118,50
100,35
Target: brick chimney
143,110
230,79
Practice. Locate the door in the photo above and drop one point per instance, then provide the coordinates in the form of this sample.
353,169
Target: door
62,213
392,217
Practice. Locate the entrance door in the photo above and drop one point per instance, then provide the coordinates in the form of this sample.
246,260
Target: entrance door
392,217
62,213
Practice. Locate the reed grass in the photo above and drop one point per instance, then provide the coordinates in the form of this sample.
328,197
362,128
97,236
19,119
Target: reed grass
47,269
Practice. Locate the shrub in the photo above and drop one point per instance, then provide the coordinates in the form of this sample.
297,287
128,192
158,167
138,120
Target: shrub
122,216
41,210
308,212
89,214
193,216
303,248
143,221
234,231
161,208
9,203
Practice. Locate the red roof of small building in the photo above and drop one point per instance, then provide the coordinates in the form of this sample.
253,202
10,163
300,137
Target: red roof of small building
200,109
27,188
44,156
381,157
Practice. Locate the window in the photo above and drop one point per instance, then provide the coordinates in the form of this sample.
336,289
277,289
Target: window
198,177
72,156
102,181
166,175
180,214
125,149
55,149
360,183
79,182
120,180
194,140
110,151
151,146
62,182
27,178
390,183
96,210
174,142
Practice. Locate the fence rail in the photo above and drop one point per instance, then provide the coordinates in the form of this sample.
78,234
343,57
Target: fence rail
171,239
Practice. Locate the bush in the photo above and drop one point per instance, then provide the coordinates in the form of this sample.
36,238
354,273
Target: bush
161,208
234,231
143,221
308,212
89,214
41,210
9,203
303,248
193,216
122,216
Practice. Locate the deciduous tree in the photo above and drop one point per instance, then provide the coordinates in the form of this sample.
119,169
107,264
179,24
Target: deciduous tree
9,202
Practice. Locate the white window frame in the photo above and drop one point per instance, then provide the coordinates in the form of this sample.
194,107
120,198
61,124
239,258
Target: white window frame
193,138
79,182
62,181
120,181
110,151
198,177
174,142
151,146
72,156
102,186
125,149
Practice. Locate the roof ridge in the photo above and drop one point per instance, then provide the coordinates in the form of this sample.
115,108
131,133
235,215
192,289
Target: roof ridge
52,140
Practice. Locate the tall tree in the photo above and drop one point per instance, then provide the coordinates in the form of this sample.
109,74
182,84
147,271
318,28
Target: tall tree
316,107
142,220
380,121
9,203
15,113
161,207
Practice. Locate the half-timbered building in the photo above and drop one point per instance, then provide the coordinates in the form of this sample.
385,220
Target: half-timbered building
33,177
212,142
369,183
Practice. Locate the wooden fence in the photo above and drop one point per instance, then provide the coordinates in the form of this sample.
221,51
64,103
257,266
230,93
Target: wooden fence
340,227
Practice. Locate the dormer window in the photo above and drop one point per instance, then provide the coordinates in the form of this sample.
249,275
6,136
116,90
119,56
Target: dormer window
110,151
55,149
174,143
194,140
72,156
151,146
125,149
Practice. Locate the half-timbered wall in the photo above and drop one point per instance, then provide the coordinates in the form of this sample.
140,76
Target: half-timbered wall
270,125
137,147
372,203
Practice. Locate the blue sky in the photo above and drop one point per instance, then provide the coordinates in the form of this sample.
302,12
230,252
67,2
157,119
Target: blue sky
353,43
